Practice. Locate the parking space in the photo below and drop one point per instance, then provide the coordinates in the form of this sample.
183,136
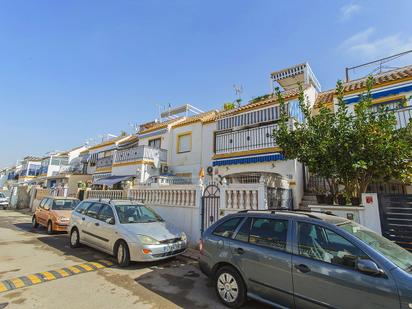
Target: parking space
28,256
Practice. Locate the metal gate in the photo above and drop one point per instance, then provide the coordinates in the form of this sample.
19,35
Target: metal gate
279,198
210,206
396,218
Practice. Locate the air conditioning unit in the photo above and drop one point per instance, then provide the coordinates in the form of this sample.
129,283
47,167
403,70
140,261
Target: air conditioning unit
164,169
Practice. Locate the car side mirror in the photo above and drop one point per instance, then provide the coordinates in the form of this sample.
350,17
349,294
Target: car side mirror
369,267
110,221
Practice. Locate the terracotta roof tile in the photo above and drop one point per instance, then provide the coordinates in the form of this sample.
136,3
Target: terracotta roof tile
380,79
360,84
261,103
325,97
202,117
162,125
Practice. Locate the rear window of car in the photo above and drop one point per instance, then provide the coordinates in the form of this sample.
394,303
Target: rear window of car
227,228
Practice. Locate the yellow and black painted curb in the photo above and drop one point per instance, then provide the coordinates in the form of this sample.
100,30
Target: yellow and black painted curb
33,279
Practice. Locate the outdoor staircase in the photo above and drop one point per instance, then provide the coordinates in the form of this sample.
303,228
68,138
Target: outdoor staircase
308,199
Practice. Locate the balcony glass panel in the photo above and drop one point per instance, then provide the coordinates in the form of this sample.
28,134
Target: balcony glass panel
139,153
104,162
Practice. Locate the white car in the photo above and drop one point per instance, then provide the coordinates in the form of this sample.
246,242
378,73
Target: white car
4,200
128,230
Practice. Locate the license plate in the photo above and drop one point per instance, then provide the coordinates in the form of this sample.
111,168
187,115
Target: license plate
172,247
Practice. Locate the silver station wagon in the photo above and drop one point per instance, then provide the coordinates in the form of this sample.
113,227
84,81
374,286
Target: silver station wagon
129,231
295,259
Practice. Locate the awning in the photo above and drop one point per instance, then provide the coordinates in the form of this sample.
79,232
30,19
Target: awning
111,180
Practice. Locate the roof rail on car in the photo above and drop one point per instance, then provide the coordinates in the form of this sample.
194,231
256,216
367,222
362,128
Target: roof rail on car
305,211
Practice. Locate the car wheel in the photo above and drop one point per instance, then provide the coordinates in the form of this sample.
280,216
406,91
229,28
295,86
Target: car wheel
230,287
34,223
74,238
123,254
50,228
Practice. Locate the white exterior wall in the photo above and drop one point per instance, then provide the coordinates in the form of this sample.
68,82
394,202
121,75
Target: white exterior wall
190,162
290,170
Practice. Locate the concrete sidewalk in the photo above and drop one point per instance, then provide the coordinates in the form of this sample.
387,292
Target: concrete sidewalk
193,254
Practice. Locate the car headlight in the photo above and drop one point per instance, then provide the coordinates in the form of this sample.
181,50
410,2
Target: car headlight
63,219
147,240
183,236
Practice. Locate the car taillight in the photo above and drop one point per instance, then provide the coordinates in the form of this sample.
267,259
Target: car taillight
201,244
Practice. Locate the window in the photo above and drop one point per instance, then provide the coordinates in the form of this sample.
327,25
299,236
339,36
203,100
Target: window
243,233
43,201
322,244
48,203
136,213
64,204
184,142
227,228
106,213
269,233
93,210
399,256
82,207
155,143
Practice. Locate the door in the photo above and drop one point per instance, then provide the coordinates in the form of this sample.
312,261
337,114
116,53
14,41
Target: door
90,223
210,206
45,211
396,218
104,231
40,211
79,217
261,249
325,274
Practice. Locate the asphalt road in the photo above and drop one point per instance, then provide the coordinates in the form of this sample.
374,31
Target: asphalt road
175,283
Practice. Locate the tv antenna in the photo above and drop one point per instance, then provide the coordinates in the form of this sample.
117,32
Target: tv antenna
238,92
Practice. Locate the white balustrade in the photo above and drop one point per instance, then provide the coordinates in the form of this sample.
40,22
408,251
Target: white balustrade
182,195
106,194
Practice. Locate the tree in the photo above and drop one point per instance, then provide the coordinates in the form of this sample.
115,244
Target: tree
347,148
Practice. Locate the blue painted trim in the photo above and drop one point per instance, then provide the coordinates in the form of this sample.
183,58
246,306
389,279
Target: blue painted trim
381,94
249,160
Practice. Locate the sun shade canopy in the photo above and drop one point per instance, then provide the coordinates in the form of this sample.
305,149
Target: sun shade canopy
111,180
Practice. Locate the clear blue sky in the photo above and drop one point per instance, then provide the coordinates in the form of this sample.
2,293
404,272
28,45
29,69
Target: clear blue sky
71,70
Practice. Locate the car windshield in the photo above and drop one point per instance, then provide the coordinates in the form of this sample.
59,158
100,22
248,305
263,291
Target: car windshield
2,195
399,256
136,214
64,204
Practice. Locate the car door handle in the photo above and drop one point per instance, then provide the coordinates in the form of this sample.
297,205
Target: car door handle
240,251
97,224
302,268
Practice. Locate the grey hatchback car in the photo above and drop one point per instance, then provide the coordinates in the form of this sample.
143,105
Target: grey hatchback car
292,259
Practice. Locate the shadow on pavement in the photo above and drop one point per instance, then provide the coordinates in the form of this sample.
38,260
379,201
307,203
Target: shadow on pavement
184,284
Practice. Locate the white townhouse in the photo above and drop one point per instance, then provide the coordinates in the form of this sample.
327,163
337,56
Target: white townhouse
100,158
30,168
185,142
245,150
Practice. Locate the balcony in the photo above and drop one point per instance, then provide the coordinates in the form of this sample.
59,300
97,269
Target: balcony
140,153
246,139
104,162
